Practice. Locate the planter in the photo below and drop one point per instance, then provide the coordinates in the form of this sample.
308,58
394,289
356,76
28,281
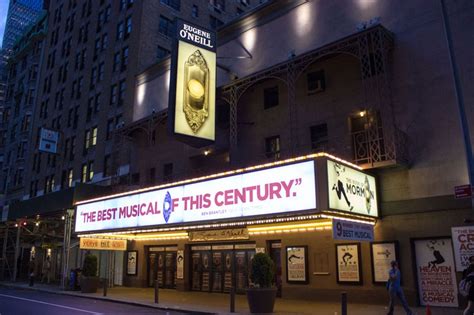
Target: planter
89,284
261,300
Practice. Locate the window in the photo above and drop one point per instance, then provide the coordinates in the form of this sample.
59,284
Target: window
316,82
80,84
168,171
91,170
128,29
215,22
101,72
162,53
110,129
116,62
100,20
122,88
107,165
123,4
108,12
175,4
319,137
166,26
93,77
113,94
89,109
270,97
84,173
195,11
218,5
73,148
70,177
272,147
97,103
120,31
90,138
94,136
124,59
105,41
96,48
87,140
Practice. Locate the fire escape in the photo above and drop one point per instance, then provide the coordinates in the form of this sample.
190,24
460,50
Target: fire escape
379,143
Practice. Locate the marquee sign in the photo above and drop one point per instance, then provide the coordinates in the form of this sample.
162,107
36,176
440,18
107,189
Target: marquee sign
351,190
275,190
102,244
193,84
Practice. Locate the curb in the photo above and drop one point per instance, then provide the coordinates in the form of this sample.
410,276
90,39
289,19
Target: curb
108,299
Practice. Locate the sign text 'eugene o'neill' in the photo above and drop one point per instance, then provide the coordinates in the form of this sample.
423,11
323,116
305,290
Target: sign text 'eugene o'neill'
275,190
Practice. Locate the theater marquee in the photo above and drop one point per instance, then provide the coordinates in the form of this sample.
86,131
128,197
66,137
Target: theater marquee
193,85
280,189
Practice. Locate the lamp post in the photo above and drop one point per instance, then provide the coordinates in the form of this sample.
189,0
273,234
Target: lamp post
460,100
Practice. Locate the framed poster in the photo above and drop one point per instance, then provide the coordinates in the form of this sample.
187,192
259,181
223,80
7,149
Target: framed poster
382,254
297,264
132,257
180,264
435,271
348,263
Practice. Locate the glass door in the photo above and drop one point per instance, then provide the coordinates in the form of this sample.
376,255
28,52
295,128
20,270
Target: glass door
206,271
170,270
217,270
228,270
152,268
196,271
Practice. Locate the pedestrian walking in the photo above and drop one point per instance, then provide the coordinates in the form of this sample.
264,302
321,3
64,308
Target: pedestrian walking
468,275
395,289
31,271
46,270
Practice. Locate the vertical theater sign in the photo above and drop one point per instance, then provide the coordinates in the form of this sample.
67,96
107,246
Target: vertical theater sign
193,85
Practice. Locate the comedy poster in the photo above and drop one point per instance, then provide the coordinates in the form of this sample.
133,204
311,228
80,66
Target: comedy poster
348,263
436,272
463,243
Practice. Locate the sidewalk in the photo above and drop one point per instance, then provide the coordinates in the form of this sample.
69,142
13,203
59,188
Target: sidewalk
215,303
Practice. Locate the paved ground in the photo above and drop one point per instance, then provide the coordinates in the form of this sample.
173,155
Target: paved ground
18,301
189,302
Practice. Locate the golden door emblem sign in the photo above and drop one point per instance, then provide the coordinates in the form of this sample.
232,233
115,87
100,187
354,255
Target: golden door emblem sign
196,91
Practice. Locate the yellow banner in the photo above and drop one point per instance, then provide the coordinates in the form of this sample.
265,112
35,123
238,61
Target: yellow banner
102,244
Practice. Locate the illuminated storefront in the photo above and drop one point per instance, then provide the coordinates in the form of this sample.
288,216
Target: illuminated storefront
201,234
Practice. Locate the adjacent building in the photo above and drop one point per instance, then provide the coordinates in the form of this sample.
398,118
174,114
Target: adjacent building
91,53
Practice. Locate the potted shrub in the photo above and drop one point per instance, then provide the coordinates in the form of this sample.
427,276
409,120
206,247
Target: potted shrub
261,296
89,279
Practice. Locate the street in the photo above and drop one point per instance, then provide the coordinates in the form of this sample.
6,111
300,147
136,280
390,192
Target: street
14,302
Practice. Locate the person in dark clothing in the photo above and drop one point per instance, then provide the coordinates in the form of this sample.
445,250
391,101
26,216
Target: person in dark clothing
32,271
469,274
